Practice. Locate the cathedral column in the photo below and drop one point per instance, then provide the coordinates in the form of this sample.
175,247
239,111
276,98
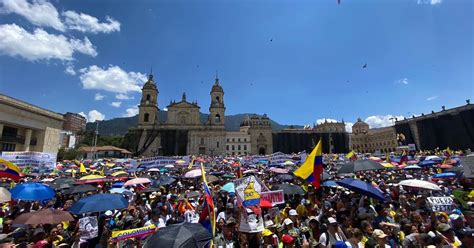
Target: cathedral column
27,140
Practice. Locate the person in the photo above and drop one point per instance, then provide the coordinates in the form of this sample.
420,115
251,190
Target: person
355,237
332,235
268,239
380,238
227,238
229,212
288,241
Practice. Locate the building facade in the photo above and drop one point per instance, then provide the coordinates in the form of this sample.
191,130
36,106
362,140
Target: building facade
25,127
73,126
453,128
238,143
90,152
367,140
260,131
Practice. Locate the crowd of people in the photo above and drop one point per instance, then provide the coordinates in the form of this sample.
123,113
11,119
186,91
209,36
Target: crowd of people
327,216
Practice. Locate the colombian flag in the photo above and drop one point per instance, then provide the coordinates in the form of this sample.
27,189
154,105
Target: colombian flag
404,157
208,200
312,168
351,156
9,170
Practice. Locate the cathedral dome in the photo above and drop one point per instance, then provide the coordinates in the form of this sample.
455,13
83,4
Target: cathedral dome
217,87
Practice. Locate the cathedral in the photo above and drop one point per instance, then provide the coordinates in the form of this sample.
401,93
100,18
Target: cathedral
183,132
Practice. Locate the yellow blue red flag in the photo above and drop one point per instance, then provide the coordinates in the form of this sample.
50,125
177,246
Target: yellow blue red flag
312,168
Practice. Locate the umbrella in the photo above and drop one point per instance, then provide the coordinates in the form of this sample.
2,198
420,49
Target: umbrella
279,170
120,191
265,203
228,175
360,165
83,188
99,203
192,194
419,184
119,173
445,166
444,175
434,158
91,177
288,162
5,195
211,178
362,187
229,187
387,165
330,183
151,189
183,235
426,163
169,166
139,180
32,192
45,216
180,162
457,169
154,170
284,177
289,189
118,185
193,173
59,186
325,176
164,180
64,180
412,167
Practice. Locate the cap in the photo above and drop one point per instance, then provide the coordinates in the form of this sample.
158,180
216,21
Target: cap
229,205
287,222
269,223
231,221
454,216
266,232
293,212
331,220
313,218
443,227
108,213
379,234
287,239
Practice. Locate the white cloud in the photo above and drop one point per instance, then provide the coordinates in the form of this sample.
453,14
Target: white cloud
83,114
123,97
349,127
402,81
17,42
131,111
70,70
431,98
95,115
432,2
86,23
39,12
112,79
116,104
165,109
98,97
319,121
376,121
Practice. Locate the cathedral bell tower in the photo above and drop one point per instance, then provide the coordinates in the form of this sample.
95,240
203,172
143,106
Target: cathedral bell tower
148,108
217,108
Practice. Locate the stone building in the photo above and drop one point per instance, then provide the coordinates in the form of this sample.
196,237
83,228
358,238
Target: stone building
26,127
73,126
367,140
183,132
260,131
238,143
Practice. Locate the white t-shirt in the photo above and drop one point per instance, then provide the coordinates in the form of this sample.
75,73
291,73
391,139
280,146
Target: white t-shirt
161,222
323,239
190,216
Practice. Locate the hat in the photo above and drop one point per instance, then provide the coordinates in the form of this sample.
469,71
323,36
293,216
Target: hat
331,220
313,218
293,213
379,234
229,205
304,229
287,221
269,223
454,216
108,213
287,239
231,221
443,227
266,232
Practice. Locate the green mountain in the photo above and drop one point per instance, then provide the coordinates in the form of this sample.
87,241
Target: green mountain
120,126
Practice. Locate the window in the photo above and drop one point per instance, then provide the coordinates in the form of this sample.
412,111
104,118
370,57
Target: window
217,144
218,99
238,147
202,141
148,97
245,139
233,148
228,140
245,147
146,117
227,147
233,140
218,118
238,140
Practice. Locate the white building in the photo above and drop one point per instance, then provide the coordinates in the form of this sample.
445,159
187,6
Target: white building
238,143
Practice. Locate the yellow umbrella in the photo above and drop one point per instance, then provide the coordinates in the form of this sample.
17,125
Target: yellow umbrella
88,177
70,170
109,164
180,161
118,173
387,165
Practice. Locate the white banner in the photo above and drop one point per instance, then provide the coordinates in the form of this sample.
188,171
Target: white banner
248,191
88,227
33,159
157,161
440,204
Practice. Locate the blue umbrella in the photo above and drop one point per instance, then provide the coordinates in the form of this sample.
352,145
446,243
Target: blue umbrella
444,175
32,192
362,187
412,167
99,203
118,185
329,183
426,163
229,187
120,191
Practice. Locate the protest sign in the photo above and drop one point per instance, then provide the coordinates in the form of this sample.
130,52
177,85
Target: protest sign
440,204
88,227
159,161
248,190
34,159
133,233
275,197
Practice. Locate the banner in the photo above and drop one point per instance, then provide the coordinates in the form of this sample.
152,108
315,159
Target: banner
34,159
159,161
88,227
412,147
133,233
468,164
279,158
248,190
440,204
275,197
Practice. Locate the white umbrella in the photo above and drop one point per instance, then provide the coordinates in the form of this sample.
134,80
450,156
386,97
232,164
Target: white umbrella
419,184
5,195
193,173
154,170
169,166
433,158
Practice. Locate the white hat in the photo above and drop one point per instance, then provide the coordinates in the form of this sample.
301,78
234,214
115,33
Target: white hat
293,212
331,220
269,223
287,221
108,213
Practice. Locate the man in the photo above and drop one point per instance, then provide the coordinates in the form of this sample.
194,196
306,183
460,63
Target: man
229,212
331,237
380,238
227,238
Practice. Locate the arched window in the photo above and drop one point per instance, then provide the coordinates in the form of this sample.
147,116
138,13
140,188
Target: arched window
148,97
146,117
218,99
218,118
202,141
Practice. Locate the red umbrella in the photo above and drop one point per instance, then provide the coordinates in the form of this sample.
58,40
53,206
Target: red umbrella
45,216
265,203
445,166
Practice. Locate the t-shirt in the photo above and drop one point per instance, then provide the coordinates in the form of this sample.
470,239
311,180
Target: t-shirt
323,239
190,216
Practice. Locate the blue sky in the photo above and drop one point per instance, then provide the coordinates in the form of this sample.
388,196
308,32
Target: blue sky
297,61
